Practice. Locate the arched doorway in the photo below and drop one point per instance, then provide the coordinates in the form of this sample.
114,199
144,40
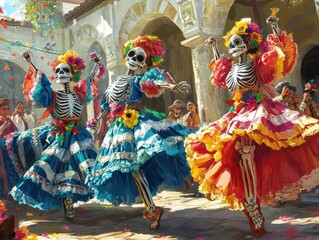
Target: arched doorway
178,60
11,80
310,67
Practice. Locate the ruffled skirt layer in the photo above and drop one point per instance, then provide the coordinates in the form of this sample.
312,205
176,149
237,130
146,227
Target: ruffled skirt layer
286,154
153,145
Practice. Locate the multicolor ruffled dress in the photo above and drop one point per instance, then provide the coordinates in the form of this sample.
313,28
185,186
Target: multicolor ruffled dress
138,138
286,154
46,164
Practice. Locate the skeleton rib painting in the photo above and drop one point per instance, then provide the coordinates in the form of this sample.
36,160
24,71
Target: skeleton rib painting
48,165
142,149
260,150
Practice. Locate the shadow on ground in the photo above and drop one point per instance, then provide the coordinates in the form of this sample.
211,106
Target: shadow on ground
187,216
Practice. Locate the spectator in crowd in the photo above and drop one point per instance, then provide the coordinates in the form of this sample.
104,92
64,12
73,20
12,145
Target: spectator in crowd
21,118
6,124
287,95
191,119
175,111
6,127
308,104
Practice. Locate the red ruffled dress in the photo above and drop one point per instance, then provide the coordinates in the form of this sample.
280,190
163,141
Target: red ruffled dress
287,152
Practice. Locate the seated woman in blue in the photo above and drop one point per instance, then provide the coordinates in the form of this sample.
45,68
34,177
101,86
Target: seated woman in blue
142,150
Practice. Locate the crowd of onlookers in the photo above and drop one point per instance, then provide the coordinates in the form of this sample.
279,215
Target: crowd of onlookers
20,120
307,104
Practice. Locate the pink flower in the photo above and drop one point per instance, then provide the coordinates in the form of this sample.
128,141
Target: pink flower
117,110
101,70
91,123
254,27
71,60
149,84
93,55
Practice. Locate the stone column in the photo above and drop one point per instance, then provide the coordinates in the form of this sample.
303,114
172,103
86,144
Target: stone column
210,99
200,19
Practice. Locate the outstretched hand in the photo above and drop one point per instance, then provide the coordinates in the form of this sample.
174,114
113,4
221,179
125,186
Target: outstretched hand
272,20
211,40
26,56
182,87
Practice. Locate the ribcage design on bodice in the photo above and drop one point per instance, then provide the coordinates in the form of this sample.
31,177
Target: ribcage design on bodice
120,90
242,75
67,105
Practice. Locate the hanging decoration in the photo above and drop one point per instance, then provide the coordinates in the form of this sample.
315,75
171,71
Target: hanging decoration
47,49
44,15
291,2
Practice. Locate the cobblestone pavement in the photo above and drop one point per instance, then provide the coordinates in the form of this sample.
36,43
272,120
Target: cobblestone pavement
187,216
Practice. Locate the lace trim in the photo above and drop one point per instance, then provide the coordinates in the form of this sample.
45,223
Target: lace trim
145,127
36,143
131,156
307,182
55,189
64,155
13,157
117,140
152,141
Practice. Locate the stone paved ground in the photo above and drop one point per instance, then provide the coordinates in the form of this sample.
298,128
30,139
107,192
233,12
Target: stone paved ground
187,216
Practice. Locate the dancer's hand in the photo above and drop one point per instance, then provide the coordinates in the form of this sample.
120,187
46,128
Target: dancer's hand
181,87
26,56
92,124
272,20
210,41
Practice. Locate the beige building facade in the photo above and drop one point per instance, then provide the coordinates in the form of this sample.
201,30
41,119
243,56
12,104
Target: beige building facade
183,25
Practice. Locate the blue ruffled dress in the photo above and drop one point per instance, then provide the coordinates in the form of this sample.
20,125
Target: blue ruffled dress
148,141
46,164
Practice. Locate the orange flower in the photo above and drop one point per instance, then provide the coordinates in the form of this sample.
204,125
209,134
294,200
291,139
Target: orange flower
2,206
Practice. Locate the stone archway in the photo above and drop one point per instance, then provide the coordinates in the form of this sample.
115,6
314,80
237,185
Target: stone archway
178,60
84,46
11,80
161,20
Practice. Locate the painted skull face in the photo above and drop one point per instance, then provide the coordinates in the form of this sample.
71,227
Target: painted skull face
135,59
63,73
237,46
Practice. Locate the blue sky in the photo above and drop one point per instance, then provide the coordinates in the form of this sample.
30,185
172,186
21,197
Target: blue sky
7,8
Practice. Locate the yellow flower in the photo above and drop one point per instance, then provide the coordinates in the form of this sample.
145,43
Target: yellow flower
256,36
240,27
32,237
63,58
130,118
237,96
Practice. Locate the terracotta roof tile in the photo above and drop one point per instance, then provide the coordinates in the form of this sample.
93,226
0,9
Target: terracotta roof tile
13,22
83,8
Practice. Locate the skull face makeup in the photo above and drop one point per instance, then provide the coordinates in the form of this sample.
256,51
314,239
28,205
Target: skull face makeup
63,73
135,59
237,46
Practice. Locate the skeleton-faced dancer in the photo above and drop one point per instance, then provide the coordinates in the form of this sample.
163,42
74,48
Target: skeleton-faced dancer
141,150
260,149
49,164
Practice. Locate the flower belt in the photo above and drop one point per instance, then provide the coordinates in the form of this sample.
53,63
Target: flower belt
245,97
62,125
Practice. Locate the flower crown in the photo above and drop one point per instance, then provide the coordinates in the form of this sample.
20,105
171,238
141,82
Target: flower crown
152,46
76,63
251,34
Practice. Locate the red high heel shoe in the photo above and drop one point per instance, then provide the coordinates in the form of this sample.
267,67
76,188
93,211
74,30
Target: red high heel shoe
256,219
155,216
